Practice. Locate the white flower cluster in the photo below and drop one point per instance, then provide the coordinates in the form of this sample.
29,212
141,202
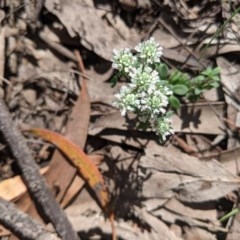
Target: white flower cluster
146,95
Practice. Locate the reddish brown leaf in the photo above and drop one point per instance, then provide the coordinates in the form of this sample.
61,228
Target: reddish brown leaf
76,185
76,131
80,160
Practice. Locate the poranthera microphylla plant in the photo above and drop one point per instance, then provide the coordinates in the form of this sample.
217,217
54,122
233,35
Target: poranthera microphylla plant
145,94
151,90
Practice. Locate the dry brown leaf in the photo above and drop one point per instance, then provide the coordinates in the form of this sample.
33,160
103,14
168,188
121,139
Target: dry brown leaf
85,221
61,172
76,185
228,158
208,215
231,86
86,168
158,228
218,49
230,80
193,233
95,33
185,177
4,232
13,188
176,212
192,118
202,145
58,72
95,87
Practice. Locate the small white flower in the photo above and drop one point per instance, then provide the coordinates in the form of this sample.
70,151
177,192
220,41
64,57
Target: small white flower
163,127
123,112
149,50
144,77
123,60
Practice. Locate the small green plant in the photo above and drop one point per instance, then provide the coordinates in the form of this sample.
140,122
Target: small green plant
151,91
191,88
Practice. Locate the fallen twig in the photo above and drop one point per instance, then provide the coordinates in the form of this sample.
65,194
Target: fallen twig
21,224
30,173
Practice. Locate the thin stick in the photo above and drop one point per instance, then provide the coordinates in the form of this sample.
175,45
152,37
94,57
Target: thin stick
112,222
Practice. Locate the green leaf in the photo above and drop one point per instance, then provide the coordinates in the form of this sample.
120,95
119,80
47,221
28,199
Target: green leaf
183,79
214,84
198,91
180,89
215,78
207,72
163,83
216,70
169,114
143,125
199,80
174,102
211,72
162,70
115,78
175,77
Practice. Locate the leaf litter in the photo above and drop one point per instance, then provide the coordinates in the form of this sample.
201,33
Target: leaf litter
156,191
